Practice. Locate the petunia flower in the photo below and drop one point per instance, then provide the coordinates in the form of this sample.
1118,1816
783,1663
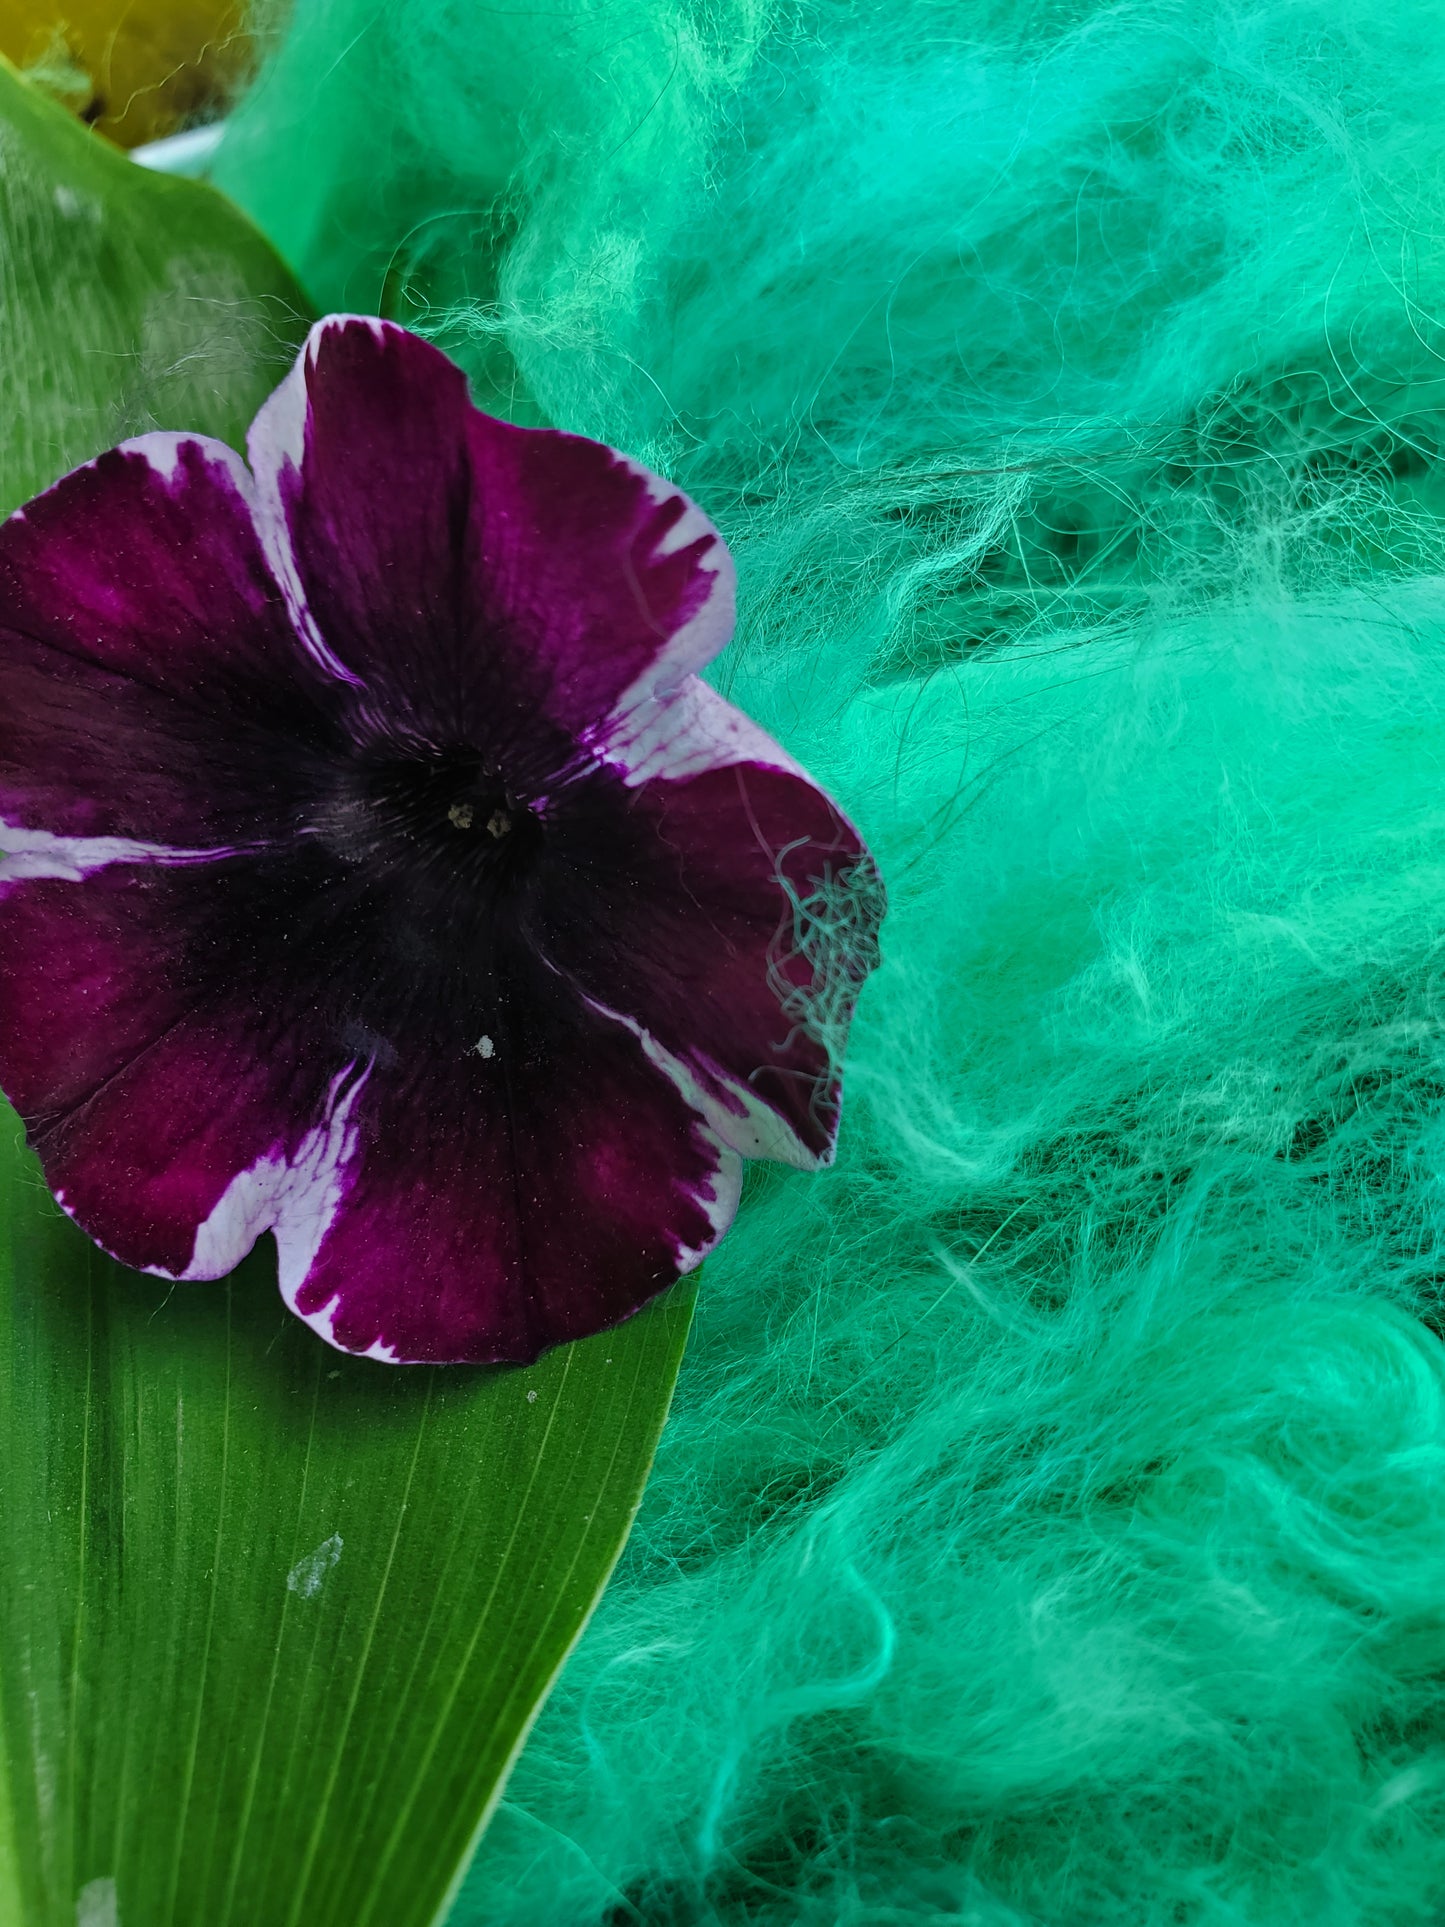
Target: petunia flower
380,874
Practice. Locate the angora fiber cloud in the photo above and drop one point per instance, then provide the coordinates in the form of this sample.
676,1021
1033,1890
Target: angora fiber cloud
1050,1527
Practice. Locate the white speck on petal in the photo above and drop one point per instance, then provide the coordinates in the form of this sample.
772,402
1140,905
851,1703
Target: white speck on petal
484,1047
96,1904
531,1398
308,1574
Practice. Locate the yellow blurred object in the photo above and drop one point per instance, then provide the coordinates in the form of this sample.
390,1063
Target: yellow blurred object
136,69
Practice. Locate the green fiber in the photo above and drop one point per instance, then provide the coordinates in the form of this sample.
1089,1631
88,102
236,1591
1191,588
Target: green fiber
1050,1529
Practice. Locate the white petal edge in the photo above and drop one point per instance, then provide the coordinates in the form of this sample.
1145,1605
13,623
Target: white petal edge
160,450
276,446
323,1323
687,731
721,1207
733,1113
29,854
297,1197
695,644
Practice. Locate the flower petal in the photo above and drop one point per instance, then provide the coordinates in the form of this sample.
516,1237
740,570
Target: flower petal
139,1044
152,689
475,578
537,1186
729,918
189,1085
432,914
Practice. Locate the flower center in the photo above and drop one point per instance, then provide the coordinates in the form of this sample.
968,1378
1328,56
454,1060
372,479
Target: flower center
438,816
463,815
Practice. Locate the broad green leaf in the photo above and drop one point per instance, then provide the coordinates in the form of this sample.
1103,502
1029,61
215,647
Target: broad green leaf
128,300
273,1622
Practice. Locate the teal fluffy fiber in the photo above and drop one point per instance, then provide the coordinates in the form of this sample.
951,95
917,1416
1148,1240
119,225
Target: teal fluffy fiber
1051,1523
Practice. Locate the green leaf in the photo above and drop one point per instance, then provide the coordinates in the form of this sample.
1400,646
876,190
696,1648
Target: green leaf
128,300
273,1622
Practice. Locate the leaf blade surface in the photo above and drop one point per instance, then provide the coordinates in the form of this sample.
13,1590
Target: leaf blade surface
273,1621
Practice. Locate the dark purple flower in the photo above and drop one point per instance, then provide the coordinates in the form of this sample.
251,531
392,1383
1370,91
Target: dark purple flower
380,874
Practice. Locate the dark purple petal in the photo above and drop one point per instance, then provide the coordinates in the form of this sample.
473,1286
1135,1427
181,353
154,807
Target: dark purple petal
192,1074
486,584
152,688
730,916
527,1188
146,1080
